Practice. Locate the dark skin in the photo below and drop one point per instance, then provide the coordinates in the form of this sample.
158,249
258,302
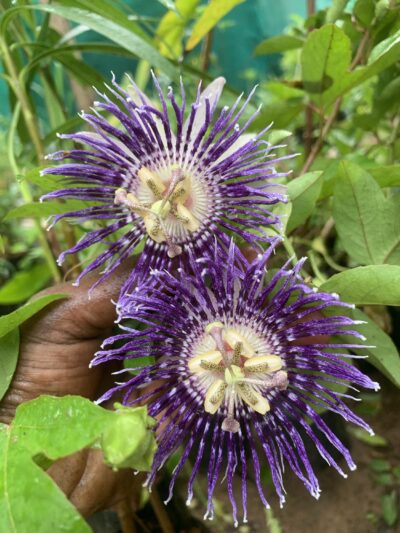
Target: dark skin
57,346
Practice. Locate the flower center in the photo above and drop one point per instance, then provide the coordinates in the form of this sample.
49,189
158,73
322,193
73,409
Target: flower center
234,371
167,204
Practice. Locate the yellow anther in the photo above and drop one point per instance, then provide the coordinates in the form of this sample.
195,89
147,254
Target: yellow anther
189,221
212,325
253,398
237,352
181,191
153,228
232,337
195,364
180,194
152,181
214,396
263,363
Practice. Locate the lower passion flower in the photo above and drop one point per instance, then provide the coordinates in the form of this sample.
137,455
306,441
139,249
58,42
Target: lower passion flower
241,365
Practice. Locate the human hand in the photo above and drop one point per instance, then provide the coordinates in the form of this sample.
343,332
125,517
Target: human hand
56,347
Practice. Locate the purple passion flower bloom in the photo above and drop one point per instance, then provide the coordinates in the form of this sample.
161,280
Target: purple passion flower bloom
174,176
230,373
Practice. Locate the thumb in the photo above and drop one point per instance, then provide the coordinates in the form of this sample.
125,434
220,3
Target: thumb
83,315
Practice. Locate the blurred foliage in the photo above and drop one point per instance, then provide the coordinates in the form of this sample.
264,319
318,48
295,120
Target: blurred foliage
338,92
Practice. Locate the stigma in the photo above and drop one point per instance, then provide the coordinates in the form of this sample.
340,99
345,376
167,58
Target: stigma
233,372
167,204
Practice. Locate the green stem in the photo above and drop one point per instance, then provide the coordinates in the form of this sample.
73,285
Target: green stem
289,248
27,196
320,278
22,97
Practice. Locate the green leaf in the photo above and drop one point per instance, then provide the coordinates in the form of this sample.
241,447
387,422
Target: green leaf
377,284
213,13
283,211
384,356
46,182
280,113
30,500
364,11
379,465
56,427
303,193
366,438
277,136
172,28
278,44
389,508
325,60
382,56
335,11
14,319
386,175
9,351
68,126
119,449
367,222
274,526
46,209
117,32
25,284
80,69
50,428
109,11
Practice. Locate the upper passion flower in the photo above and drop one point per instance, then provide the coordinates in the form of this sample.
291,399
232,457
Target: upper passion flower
175,177
242,365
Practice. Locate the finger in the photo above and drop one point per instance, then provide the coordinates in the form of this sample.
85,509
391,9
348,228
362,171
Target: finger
101,487
58,344
81,316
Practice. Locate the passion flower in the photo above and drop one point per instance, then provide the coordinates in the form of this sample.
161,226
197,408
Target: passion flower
230,366
175,177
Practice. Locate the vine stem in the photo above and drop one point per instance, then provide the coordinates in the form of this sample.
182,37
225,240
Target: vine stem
358,58
24,106
161,513
27,197
206,52
21,95
125,516
309,123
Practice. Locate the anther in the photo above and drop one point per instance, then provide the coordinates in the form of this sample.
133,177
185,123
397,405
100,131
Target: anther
236,353
253,398
152,181
263,363
232,337
214,396
196,364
